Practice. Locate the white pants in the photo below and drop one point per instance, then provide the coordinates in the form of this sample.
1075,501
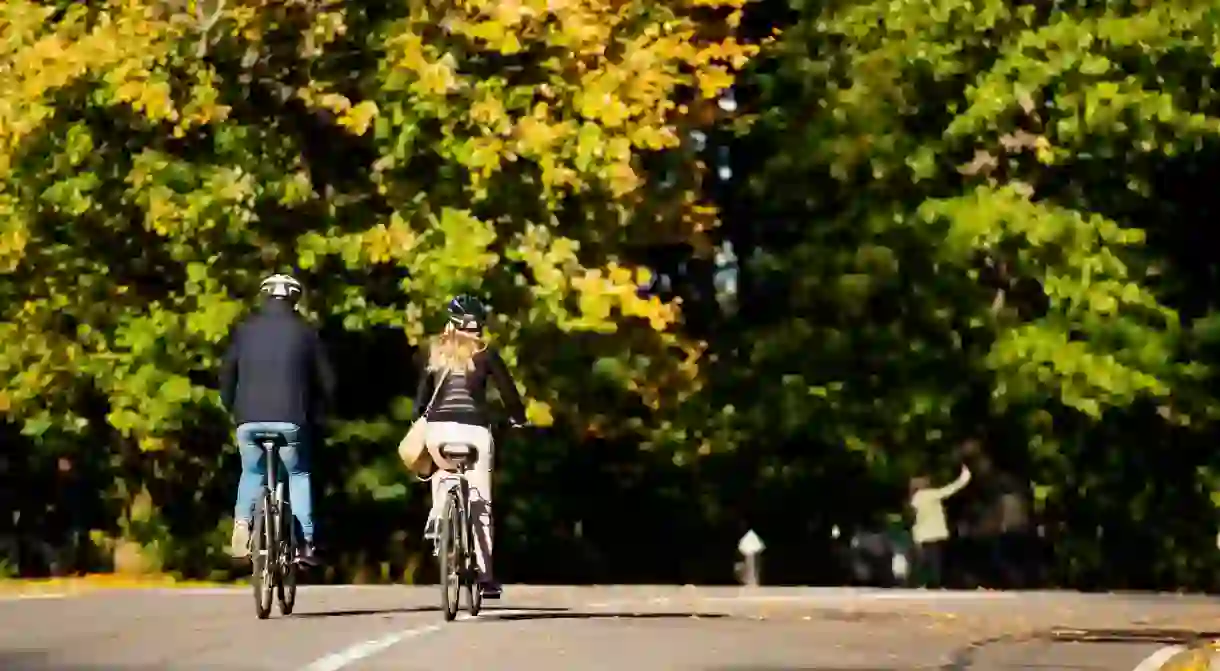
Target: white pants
478,475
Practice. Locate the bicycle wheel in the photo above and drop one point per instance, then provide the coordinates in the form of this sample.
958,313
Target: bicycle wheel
262,557
470,566
286,589
474,598
450,557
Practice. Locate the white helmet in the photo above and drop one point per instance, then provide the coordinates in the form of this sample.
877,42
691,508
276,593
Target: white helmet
283,287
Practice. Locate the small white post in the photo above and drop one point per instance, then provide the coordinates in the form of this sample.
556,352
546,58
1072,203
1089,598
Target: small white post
750,546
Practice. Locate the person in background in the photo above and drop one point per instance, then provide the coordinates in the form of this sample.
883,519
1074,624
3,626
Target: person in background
461,363
276,377
931,530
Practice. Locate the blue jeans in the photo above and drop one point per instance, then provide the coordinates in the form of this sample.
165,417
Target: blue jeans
294,458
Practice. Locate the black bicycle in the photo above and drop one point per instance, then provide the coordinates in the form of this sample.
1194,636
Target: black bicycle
273,542
458,561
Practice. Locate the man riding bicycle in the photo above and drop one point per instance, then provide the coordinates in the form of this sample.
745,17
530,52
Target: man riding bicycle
275,377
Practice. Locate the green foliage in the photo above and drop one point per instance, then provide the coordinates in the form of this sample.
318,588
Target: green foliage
974,258
157,161
953,220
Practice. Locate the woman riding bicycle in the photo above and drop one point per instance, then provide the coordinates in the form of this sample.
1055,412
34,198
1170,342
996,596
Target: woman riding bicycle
461,362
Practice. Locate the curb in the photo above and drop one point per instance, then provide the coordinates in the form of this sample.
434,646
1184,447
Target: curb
94,582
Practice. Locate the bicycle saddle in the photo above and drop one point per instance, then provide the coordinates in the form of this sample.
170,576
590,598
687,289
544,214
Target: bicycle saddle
463,452
276,437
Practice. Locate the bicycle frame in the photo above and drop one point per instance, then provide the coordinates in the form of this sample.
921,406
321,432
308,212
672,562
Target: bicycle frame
272,453
275,535
460,562
275,512
463,494
271,512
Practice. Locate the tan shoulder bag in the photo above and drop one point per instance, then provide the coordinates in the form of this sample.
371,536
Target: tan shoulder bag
412,449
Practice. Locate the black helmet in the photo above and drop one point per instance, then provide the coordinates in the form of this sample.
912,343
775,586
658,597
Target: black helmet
466,313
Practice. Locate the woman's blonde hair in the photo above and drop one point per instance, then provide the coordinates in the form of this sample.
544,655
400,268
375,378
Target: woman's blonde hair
453,351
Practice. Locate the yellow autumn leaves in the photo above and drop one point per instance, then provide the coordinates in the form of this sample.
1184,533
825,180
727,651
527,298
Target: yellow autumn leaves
534,115
125,47
558,273
584,87
606,88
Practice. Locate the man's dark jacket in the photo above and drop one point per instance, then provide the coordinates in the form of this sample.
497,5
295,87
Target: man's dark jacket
276,369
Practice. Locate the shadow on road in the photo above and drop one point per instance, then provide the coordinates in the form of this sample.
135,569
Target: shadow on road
357,612
517,614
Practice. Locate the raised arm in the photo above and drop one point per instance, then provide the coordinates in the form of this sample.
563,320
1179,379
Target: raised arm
955,486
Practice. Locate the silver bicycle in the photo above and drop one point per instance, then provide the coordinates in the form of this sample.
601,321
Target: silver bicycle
456,557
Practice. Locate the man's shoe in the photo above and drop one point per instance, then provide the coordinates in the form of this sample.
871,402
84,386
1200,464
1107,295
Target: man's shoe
490,589
239,544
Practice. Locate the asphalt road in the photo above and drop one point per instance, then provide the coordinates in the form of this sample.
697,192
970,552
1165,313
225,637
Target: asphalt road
598,628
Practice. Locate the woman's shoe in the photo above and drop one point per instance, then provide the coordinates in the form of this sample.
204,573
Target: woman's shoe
490,589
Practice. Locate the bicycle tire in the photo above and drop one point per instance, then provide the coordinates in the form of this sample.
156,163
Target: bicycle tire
449,558
262,561
286,586
474,597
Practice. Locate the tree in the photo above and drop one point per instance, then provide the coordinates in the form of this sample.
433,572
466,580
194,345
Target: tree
158,158
967,251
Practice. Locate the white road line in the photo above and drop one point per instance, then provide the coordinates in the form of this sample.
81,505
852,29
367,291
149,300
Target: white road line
360,651
355,653
1158,659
